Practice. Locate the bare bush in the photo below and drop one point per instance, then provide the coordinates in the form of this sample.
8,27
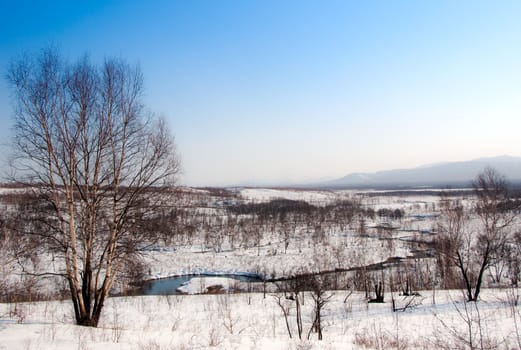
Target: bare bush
378,339
475,333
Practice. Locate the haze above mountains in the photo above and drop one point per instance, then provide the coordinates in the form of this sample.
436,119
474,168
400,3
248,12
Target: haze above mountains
434,175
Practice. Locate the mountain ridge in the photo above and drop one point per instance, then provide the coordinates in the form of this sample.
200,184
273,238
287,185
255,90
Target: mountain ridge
437,174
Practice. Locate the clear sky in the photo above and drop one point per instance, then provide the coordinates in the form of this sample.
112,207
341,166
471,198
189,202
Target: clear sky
296,91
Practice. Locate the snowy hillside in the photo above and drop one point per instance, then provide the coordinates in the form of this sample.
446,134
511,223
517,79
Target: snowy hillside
251,321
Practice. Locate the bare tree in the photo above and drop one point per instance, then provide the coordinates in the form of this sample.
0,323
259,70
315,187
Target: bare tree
473,252
284,304
496,217
379,286
318,285
455,241
92,154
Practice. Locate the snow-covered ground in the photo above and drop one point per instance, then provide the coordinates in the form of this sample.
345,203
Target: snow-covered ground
270,259
249,321
311,196
340,248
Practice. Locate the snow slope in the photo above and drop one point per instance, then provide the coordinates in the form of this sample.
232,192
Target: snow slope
249,321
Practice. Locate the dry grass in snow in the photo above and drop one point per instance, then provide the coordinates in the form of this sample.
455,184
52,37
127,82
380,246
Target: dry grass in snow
249,321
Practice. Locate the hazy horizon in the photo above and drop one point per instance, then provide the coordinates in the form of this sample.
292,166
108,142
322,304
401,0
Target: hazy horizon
299,91
495,162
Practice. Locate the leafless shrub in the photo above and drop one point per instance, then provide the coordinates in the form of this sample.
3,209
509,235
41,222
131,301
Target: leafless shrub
117,328
474,333
51,329
285,306
27,343
407,303
304,345
215,338
81,336
18,313
228,317
376,338
150,345
512,298
176,322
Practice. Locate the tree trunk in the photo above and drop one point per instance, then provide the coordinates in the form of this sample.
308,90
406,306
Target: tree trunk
299,316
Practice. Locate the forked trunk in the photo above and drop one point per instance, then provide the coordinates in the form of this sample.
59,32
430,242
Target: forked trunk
88,303
89,319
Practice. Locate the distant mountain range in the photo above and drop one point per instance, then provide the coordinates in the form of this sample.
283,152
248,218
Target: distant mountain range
434,175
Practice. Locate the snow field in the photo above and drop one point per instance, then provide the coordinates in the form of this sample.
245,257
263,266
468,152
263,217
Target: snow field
249,321
348,251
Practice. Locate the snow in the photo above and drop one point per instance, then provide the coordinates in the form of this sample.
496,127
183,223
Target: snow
271,260
250,321
311,196
200,285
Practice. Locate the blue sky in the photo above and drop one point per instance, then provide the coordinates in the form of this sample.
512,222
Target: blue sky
296,91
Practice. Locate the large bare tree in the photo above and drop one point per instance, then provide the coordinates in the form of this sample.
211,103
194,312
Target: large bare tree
86,145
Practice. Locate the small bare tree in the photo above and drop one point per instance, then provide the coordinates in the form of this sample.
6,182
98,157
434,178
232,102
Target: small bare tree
318,285
90,152
473,335
496,217
285,306
474,252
